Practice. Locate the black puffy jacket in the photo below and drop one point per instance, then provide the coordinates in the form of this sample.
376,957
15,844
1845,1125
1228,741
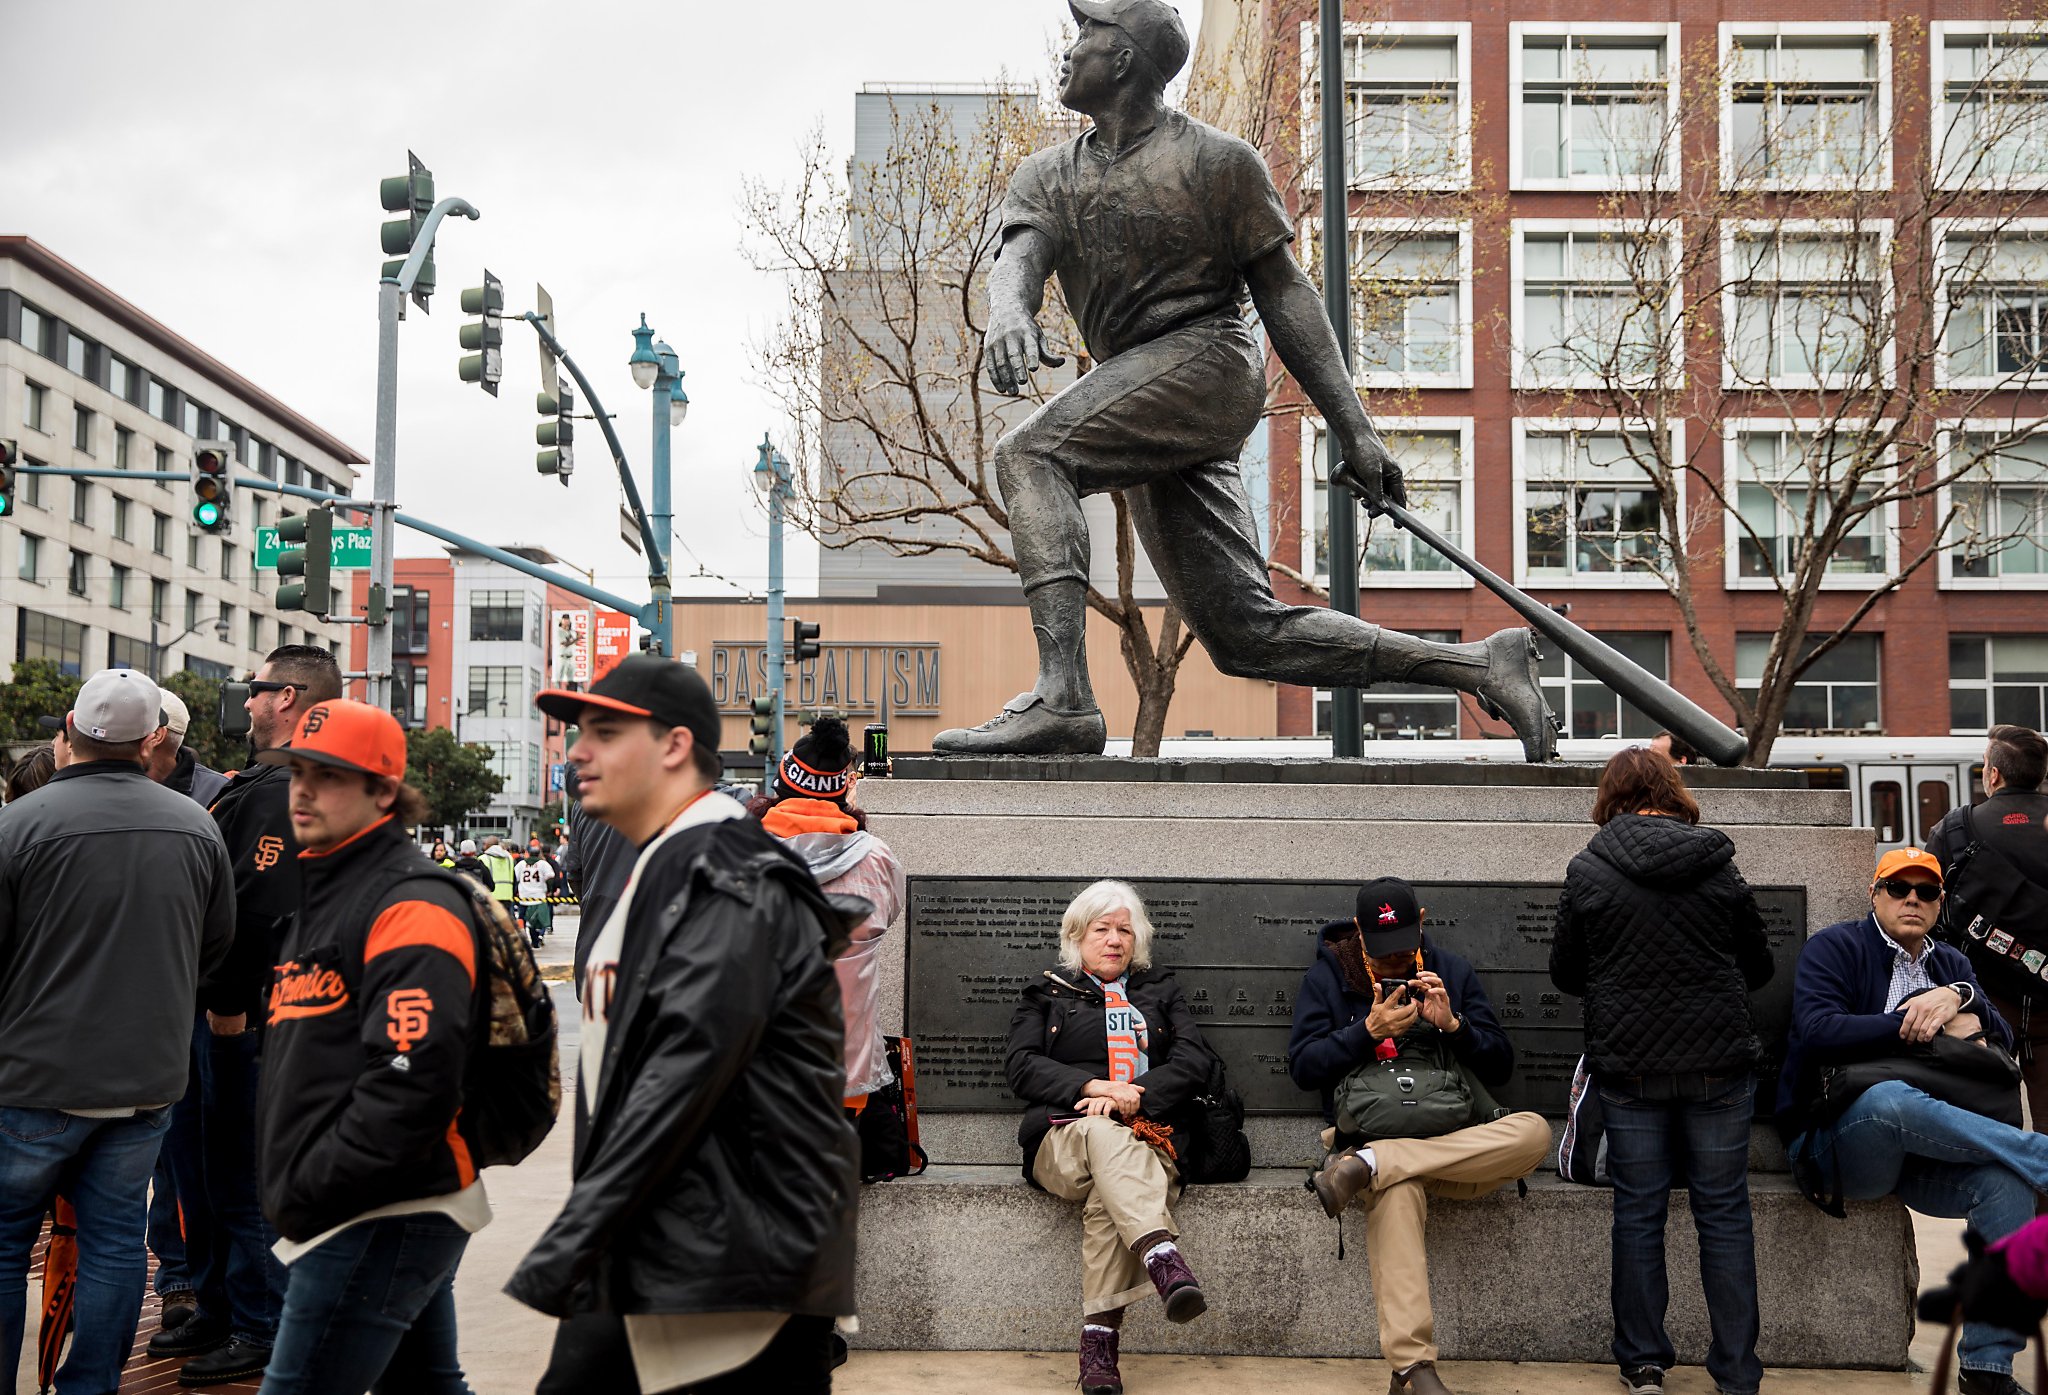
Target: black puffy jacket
716,1171
1058,1043
1660,935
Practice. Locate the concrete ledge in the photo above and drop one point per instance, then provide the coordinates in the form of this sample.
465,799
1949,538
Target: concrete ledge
973,1259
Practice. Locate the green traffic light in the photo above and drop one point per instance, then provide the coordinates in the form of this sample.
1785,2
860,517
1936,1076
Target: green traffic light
207,514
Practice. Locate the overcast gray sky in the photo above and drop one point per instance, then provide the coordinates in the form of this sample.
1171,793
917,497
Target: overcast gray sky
217,164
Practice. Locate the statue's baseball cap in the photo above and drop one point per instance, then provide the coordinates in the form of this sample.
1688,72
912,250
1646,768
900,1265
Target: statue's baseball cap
643,685
1907,860
115,705
1154,26
346,733
1388,916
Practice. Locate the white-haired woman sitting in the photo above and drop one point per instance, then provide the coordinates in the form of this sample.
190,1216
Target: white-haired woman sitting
1101,1047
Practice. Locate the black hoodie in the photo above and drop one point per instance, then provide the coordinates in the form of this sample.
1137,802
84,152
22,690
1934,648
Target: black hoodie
1660,935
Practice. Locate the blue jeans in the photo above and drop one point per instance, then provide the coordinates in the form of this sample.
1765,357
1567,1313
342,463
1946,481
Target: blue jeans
1940,1161
1655,1124
103,1167
373,1309
166,1226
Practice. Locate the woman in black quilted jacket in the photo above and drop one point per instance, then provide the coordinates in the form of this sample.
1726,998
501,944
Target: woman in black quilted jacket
1661,937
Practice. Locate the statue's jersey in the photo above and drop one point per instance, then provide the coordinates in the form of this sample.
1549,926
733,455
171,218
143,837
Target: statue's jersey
1155,238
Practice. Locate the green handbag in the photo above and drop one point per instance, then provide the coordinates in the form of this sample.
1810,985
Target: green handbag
1424,1091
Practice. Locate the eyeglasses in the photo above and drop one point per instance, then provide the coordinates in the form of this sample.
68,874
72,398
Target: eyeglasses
265,685
1929,892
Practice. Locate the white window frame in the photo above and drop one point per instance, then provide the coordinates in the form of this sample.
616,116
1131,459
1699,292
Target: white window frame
1454,579
1960,228
1519,373
1938,32
1608,581
1311,91
1988,685
1879,230
1877,29
1670,168
1945,445
1461,377
1733,478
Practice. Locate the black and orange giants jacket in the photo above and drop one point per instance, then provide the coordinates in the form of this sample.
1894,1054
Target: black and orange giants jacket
369,1034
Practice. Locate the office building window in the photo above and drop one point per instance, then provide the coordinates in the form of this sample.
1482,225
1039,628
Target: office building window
124,448
117,590
123,652
29,565
496,615
81,430
192,550
1997,306
1402,711
31,485
1996,679
409,694
411,620
1434,463
192,610
1596,307
192,417
1776,469
62,642
160,534
1806,110
225,620
120,378
31,329
1590,507
1839,694
504,761
158,402
227,561
78,355
1803,307
208,668
2001,499
81,502
1595,104
159,599
1992,128
75,580
1410,332
532,770
121,512
1588,707
495,690
256,631
1405,106
163,465
35,401
292,472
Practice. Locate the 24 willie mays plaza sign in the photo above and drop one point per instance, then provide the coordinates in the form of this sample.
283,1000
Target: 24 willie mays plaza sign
860,678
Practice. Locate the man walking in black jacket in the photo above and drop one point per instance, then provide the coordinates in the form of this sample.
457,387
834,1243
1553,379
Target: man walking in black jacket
238,1282
708,1241
365,1171
115,897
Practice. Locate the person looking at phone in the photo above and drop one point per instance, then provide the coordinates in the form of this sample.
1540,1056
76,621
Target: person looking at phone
1376,980
1099,1048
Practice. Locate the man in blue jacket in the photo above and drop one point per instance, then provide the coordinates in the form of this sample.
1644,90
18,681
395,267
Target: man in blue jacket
1862,987
1343,1018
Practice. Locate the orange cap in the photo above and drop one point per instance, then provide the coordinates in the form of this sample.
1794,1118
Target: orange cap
1906,859
347,733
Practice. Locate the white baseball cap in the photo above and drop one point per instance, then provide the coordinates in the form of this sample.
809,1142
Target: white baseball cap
177,716
117,705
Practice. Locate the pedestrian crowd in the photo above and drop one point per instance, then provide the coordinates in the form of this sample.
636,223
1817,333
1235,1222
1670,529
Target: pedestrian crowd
327,1030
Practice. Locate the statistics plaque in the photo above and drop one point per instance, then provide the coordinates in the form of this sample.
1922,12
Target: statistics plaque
1239,950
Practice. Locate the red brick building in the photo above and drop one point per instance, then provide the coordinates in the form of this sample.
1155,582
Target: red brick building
1515,170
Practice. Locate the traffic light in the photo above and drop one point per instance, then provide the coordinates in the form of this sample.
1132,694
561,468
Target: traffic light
763,724
806,637
211,485
484,364
308,554
558,432
412,194
9,455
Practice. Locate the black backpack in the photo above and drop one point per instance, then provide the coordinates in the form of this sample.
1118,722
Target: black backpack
1997,915
1208,1131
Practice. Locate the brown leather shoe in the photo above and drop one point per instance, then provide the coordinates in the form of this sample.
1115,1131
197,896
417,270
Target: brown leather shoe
1342,1178
1421,1379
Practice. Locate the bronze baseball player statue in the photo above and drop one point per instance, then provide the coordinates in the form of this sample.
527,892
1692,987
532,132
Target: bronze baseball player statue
1158,226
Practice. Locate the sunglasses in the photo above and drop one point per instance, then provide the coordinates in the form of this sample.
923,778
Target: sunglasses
265,685
1929,892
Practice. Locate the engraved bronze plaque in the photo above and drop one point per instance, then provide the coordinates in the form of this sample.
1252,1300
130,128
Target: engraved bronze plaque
1239,950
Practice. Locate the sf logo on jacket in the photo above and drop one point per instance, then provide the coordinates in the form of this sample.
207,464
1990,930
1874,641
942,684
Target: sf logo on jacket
411,1012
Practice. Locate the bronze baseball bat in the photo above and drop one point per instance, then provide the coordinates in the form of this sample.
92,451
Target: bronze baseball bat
1683,717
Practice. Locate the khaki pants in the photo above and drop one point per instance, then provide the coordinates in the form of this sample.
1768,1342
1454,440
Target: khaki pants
1124,1187
1459,1166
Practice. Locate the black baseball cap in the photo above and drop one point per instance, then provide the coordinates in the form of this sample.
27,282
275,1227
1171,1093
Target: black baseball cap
1388,917
644,686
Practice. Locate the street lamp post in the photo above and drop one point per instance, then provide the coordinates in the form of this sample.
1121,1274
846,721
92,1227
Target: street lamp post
656,368
772,477
221,629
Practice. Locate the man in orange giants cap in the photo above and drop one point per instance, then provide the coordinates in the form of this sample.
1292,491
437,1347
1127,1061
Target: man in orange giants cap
1874,992
365,1171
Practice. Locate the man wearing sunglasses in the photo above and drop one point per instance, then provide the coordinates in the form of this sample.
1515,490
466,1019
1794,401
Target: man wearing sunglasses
1863,987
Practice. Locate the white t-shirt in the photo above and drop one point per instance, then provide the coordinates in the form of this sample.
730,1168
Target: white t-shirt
531,879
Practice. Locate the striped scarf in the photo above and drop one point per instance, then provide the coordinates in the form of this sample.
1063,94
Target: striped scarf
1128,1039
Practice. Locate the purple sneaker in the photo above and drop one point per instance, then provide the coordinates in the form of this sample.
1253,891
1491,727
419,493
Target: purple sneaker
1098,1362
1176,1284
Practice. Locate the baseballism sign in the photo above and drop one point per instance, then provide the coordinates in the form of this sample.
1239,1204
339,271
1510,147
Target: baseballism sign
851,677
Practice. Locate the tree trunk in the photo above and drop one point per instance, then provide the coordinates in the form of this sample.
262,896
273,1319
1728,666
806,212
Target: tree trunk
1155,696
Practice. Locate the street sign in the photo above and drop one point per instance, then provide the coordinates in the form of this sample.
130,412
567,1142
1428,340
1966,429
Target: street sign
351,548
